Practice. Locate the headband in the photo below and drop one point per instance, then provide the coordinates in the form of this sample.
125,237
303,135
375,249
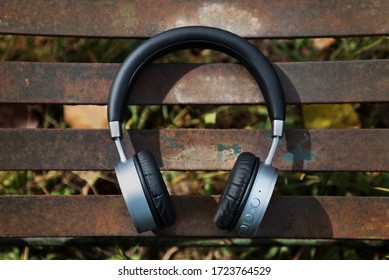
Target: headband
196,37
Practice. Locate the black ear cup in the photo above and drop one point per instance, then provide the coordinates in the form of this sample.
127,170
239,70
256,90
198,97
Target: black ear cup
155,190
236,191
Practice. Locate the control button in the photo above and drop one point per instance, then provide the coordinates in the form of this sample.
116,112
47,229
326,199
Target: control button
249,217
243,228
255,202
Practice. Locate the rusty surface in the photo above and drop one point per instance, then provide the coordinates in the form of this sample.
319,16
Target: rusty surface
196,149
287,217
141,18
310,82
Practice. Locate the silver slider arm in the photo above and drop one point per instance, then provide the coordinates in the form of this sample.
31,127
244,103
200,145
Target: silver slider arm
272,151
116,135
119,147
278,130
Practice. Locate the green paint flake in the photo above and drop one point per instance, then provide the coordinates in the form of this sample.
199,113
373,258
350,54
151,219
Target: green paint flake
171,143
225,152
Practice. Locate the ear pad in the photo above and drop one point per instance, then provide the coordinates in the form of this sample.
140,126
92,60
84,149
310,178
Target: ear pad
155,190
238,187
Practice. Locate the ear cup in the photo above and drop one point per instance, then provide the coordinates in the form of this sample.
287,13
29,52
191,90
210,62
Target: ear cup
155,189
236,190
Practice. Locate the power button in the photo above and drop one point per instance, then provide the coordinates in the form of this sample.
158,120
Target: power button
255,202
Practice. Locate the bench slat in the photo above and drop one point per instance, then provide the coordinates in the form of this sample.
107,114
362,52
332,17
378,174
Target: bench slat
122,18
287,217
82,83
196,149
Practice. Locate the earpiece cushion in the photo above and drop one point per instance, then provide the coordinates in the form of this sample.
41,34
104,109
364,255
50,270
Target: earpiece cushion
156,190
237,185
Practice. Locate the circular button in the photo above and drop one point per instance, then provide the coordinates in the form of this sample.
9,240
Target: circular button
249,217
243,228
255,202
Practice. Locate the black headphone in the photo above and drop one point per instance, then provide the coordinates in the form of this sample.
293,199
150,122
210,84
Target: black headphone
249,188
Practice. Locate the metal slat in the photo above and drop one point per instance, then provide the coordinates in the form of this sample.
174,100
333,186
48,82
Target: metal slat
195,149
82,83
272,19
286,217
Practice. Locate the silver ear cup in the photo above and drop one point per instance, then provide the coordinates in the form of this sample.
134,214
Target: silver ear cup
134,196
257,201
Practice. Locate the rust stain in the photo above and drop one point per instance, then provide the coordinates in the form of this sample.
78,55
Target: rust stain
248,18
312,217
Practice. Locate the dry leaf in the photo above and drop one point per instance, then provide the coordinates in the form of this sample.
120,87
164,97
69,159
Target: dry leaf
86,116
322,43
330,116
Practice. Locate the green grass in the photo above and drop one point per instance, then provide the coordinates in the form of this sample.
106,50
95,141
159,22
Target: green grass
202,183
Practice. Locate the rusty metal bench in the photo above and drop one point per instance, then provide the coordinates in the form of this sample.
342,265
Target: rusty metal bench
313,217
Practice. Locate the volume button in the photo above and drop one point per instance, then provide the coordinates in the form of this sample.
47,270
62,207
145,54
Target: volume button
249,217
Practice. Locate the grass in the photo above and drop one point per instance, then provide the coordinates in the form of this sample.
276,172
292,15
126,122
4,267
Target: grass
203,183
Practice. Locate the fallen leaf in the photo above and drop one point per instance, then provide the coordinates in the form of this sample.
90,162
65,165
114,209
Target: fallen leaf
322,43
86,116
330,116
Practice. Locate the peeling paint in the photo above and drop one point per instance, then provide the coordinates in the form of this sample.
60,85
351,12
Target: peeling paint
227,152
171,143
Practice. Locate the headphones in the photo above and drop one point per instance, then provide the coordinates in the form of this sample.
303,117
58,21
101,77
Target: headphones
251,182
